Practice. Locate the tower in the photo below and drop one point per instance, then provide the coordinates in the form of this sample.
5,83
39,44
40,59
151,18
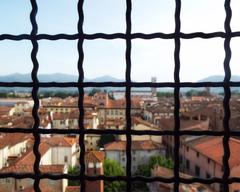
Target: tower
154,89
94,162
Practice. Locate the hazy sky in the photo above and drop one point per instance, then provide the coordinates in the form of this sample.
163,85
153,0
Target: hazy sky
199,58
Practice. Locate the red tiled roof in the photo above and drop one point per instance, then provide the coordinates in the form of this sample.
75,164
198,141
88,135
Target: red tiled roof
43,187
168,124
28,158
4,110
73,189
11,139
138,120
136,145
59,141
159,171
212,147
94,156
59,116
29,169
121,103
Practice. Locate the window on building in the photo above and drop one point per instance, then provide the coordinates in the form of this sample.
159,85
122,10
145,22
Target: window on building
197,170
65,159
187,164
180,159
208,160
197,154
95,169
221,188
7,180
208,175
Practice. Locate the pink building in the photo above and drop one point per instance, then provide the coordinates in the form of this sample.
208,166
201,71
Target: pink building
203,156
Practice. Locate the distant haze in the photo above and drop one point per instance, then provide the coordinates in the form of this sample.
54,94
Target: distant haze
199,58
61,77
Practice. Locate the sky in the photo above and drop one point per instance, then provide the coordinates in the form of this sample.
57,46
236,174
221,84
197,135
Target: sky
199,58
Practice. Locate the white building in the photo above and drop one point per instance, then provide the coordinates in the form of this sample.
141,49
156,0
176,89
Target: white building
21,106
141,152
63,150
12,145
144,95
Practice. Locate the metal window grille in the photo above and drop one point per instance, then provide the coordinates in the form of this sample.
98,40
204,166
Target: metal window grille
34,37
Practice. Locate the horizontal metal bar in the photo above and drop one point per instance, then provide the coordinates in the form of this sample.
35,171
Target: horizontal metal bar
118,36
117,178
117,132
121,84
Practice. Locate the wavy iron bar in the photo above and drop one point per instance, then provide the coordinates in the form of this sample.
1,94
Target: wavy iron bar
34,37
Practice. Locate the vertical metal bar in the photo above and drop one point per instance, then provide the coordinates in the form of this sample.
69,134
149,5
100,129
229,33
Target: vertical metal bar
128,94
227,96
176,93
35,95
81,93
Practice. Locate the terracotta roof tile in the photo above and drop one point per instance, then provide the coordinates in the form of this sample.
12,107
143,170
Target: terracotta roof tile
136,145
94,156
138,120
59,116
28,158
121,103
4,110
168,124
11,139
59,141
212,147
29,169
159,171
73,189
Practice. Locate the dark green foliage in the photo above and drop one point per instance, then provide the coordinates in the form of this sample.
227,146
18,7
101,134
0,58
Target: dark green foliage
93,91
105,139
13,95
145,170
165,94
73,171
195,93
110,96
60,94
161,161
113,168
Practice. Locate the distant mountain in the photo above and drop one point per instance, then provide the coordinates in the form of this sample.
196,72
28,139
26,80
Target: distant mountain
16,77
219,78
105,78
56,77
60,77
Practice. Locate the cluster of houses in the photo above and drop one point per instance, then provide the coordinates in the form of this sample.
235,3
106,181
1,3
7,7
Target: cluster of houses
200,156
